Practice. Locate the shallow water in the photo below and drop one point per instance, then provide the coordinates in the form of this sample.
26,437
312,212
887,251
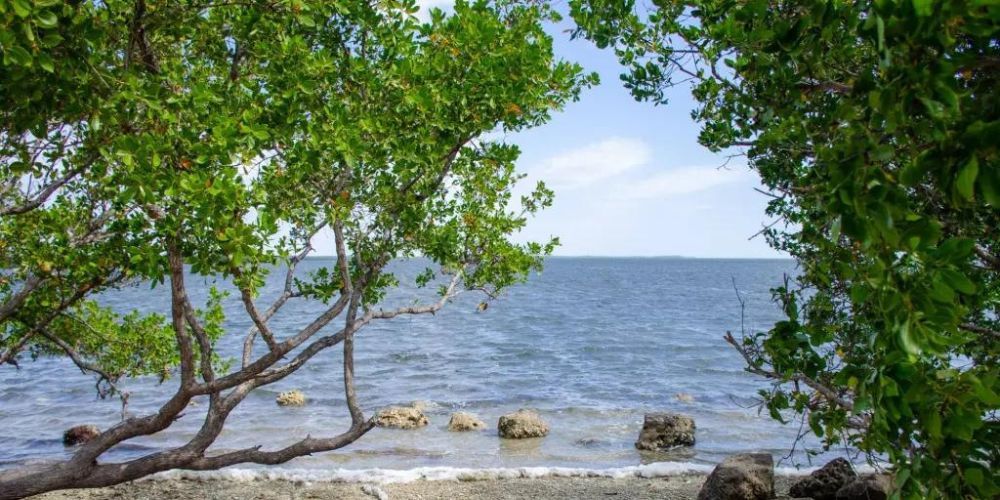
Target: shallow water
591,344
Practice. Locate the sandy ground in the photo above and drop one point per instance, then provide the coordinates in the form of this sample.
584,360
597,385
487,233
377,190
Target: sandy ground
666,488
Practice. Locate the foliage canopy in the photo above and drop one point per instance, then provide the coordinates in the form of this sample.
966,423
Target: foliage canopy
143,141
875,126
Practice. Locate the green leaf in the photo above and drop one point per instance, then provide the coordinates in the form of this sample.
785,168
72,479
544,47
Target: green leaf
306,20
21,7
923,8
932,422
46,19
17,55
46,63
935,109
958,281
965,183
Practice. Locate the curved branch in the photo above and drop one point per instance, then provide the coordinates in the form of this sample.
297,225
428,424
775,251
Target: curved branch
84,366
827,393
42,196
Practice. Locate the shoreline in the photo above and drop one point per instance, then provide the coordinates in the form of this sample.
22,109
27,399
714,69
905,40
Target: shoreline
683,486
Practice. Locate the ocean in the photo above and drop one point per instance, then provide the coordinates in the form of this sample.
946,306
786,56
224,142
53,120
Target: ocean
591,344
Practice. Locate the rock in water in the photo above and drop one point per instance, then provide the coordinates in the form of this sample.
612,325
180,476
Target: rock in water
291,398
665,430
867,487
684,397
522,424
80,434
461,422
400,417
824,483
746,476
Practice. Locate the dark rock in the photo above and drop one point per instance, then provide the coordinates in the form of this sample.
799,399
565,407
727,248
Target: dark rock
867,487
80,434
824,483
665,430
746,476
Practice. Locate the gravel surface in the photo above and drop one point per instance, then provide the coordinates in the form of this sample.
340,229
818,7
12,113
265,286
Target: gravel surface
668,488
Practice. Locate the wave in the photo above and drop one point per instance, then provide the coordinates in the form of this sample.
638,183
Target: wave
390,476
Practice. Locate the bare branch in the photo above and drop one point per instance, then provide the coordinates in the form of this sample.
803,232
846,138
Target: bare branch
9,355
829,394
260,323
306,446
178,299
82,364
42,196
8,308
990,259
979,329
138,39
426,309
286,293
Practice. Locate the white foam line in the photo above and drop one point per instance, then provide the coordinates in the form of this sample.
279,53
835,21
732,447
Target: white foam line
389,476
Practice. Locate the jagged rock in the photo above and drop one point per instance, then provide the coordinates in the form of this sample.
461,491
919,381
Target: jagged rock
867,487
522,424
80,434
291,398
665,430
461,421
400,417
746,476
824,483
684,397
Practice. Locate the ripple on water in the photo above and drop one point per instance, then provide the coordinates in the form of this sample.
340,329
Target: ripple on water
591,344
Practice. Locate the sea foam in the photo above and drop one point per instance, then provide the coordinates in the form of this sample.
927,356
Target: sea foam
390,476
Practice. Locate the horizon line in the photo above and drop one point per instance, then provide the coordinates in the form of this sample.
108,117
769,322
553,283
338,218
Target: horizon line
584,256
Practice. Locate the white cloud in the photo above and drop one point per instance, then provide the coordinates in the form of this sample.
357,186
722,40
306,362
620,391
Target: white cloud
678,181
595,162
425,6
429,4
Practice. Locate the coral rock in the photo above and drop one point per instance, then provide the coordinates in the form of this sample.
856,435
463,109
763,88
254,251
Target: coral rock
461,422
291,398
522,424
400,417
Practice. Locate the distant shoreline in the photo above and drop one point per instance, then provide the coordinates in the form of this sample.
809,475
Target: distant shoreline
625,257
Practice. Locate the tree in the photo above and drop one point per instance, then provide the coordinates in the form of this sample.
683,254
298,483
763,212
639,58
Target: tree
145,142
874,126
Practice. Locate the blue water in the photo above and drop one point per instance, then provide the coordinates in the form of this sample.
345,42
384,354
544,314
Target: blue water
590,343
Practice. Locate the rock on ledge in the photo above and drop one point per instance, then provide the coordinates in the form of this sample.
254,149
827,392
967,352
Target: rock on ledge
461,422
746,476
867,487
665,430
291,398
522,424
824,483
400,417
80,434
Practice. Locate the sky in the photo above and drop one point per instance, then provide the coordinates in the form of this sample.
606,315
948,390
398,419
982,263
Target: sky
630,178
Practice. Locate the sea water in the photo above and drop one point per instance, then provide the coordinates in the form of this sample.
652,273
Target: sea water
591,344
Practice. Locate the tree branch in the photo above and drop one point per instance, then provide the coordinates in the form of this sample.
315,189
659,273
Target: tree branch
178,299
42,196
827,393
